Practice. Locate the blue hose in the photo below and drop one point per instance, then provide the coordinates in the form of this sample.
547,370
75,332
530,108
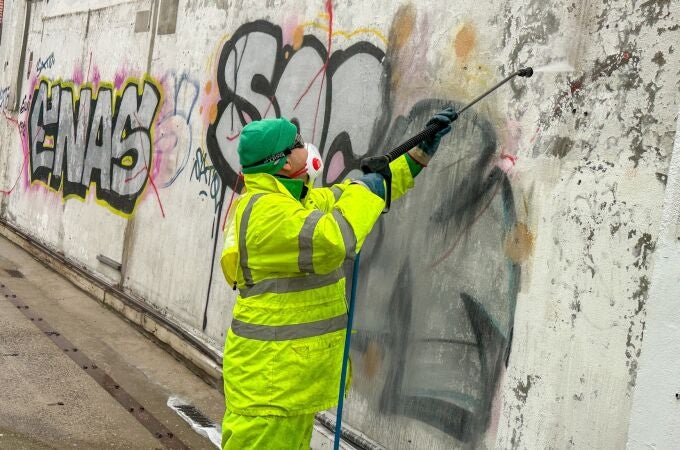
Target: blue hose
345,355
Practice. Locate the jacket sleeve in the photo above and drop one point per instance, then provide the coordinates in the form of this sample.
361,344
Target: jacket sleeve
285,237
326,198
402,178
229,257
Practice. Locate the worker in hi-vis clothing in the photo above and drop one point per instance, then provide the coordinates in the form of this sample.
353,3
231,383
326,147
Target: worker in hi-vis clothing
284,250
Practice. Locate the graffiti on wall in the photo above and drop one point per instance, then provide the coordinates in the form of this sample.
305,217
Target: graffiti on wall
202,170
44,64
84,135
428,347
175,137
4,97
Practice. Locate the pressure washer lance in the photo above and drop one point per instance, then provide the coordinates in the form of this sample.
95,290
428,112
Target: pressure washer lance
381,164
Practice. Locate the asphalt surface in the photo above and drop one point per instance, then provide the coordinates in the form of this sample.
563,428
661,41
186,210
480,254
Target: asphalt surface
49,401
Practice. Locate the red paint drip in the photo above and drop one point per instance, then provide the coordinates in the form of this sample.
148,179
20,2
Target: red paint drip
269,106
150,176
235,136
10,118
153,185
509,157
322,70
141,171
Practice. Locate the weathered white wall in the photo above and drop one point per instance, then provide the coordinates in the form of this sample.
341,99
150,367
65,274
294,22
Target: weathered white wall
502,303
654,420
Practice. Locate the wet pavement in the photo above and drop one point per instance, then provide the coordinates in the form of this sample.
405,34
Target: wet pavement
48,400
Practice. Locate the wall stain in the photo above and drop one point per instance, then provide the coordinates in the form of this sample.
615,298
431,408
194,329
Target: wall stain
561,146
632,351
465,42
519,243
652,10
659,59
643,248
641,294
521,392
662,30
401,30
522,389
402,27
371,360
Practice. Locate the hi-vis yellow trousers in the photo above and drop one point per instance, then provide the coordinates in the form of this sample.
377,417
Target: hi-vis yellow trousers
266,432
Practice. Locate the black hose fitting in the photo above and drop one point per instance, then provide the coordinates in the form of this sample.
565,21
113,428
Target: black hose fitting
526,72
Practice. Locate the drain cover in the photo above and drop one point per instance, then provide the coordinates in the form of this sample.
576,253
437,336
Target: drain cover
198,421
14,273
196,416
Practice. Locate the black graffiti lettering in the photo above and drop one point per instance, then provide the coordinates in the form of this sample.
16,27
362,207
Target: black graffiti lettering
4,96
78,142
206,173
24,105
43,64
98,157
260,77
42,128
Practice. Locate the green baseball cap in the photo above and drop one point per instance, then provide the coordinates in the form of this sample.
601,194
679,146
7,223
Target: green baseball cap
263,144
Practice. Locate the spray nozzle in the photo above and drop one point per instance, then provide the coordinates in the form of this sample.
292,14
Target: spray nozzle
526,72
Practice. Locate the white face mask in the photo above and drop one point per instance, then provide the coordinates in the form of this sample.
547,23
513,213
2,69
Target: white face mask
314,163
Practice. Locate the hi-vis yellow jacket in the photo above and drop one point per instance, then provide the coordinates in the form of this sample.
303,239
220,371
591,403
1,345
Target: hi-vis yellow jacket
283,352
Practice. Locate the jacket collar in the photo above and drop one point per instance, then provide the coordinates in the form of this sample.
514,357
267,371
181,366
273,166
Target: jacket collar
263,182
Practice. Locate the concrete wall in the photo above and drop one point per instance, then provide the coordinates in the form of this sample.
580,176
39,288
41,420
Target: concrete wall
502,304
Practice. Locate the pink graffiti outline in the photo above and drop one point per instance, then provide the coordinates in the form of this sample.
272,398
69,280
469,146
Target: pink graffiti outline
23,136
149,176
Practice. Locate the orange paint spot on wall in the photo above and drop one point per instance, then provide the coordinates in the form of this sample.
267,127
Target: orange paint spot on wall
298,35
519,243
465,41
213,112
402,27
371,360
208,87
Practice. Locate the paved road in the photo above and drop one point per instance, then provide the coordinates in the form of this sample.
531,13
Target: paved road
49,401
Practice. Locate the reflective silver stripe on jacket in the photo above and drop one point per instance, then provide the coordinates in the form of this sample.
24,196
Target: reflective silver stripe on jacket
305,262
294,284
347,232
337,192
242,249
288,332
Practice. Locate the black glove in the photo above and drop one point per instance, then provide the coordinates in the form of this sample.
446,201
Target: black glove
445,117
